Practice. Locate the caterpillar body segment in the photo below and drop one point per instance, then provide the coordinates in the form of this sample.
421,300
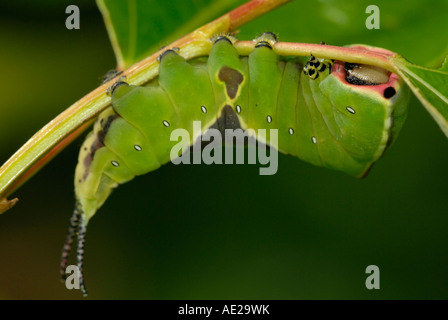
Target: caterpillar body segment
326,112
321,117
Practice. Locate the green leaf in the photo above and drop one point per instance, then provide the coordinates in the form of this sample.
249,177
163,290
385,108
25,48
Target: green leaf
138,28
430,86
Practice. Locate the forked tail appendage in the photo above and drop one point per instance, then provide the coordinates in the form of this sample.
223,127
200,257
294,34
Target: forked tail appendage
77,227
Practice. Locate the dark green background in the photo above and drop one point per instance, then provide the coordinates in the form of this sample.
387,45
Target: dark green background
224,232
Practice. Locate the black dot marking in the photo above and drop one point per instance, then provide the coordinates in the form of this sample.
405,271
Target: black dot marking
351,110
389,92
166,123
291,131
115,163
79,180
238,109
85,148
137,147
269,119
203,109
311,72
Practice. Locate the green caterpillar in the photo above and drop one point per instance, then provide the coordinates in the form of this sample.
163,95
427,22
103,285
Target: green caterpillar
333,114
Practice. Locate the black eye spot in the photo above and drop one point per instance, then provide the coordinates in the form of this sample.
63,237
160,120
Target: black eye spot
389,92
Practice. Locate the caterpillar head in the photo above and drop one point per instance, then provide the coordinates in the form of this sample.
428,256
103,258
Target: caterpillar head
370,107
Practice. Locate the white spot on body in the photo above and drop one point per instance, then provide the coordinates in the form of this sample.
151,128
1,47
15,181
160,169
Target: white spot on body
137,147
238,109
203,109
115,163
351,110
166,123
291,131
269,119
313,139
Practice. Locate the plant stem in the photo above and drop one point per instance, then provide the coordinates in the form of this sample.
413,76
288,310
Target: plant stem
68,125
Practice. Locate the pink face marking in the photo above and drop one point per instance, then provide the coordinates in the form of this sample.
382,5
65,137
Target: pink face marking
383,89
